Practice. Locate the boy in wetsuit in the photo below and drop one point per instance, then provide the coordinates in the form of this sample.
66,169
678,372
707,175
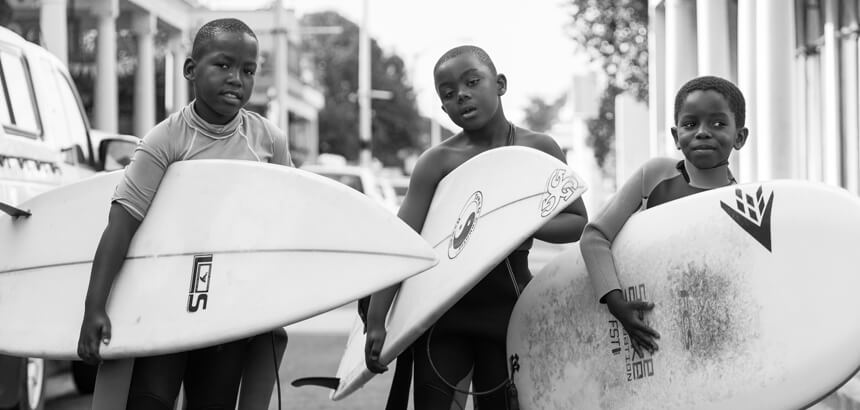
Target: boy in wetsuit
471,335
221,67
709,123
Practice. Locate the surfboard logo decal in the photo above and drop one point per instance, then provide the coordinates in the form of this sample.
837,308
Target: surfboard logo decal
559,187
752,214
465,224
201,274
636,366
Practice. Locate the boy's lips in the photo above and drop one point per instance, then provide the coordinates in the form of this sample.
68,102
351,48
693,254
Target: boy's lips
468,112
232,96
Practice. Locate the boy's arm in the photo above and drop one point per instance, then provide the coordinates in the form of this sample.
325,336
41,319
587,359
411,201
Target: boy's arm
567,226
108,260
596,250
413,211
600,232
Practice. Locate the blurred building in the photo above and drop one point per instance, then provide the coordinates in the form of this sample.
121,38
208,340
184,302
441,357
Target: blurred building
796,63
91,36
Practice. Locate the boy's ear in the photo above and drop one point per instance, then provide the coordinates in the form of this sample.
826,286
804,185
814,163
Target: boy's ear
741,138
188,69
501,84
675,137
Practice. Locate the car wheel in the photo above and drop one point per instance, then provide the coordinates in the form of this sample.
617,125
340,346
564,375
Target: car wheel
33,388
84,376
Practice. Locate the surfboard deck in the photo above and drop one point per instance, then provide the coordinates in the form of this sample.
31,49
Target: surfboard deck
227,250
479,214
754,289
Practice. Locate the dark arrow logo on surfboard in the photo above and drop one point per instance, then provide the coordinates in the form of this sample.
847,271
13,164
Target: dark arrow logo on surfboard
752,213
465,224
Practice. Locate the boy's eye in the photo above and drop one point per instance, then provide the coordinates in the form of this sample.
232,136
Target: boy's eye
688,124
473,82
250,72
719,124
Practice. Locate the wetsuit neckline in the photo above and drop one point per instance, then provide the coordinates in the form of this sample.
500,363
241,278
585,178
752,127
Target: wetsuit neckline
707,178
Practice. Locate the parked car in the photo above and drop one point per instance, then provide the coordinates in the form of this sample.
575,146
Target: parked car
45,141
361,179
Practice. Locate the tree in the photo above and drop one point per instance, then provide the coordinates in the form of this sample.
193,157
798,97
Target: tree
540,115
334,60
614,34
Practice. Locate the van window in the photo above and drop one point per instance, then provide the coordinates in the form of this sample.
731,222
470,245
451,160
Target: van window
20,117
67,128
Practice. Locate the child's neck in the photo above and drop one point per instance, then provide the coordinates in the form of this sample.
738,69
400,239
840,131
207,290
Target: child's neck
708,178
494,133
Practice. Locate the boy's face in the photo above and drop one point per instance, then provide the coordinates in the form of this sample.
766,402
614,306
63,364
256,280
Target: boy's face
706,131
223,76
469,90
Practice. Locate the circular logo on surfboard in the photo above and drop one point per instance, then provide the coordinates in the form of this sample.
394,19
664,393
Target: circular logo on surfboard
465,224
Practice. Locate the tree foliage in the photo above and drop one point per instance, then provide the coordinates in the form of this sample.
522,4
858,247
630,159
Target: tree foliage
540,115
396,124
614,34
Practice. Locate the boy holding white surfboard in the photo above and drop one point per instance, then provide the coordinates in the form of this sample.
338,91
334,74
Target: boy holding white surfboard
221,67
709,123
471,335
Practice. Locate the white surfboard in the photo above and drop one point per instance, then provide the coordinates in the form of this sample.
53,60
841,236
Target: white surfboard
228,249
479,214
755,293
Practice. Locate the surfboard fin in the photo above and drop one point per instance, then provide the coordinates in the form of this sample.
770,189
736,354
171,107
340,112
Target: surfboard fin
13,211
327,382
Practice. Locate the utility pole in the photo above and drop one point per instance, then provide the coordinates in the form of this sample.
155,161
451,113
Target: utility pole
364,126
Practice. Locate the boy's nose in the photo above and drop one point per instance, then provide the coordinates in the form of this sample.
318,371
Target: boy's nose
462,96
703,132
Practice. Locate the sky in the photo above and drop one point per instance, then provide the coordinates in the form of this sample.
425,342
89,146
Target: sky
526,41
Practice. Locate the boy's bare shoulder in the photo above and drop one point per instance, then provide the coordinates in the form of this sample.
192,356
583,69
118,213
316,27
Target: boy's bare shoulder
539,141
435,162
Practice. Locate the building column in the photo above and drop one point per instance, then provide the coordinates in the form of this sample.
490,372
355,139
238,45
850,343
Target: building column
681,54
178,90
106,99
712,31
54,28
775,40
658,135
851,102
747,157
832,137
144,24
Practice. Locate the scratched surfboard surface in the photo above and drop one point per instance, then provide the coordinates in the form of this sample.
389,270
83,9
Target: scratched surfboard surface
755,292
480,212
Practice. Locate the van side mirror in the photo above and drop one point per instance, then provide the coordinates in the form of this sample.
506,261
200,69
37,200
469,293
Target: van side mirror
115,152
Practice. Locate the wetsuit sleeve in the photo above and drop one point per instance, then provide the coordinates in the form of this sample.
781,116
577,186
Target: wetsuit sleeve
598,235
150,160
281,149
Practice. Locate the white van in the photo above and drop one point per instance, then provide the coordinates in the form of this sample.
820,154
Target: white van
45,141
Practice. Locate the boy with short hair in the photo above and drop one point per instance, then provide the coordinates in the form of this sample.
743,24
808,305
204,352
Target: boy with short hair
709,123
221,67
471,335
